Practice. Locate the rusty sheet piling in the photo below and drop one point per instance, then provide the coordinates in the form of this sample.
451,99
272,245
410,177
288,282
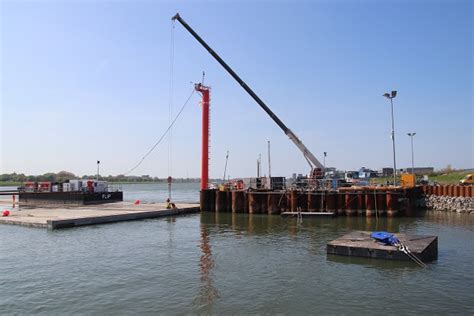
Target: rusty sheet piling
238,201
363,201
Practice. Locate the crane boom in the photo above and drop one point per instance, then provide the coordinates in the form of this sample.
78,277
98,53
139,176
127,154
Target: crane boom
310,158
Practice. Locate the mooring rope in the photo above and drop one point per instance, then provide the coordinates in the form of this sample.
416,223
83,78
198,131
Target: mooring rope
376,210
170,104
170,111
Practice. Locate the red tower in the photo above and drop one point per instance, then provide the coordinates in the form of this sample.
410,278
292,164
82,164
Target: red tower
205,103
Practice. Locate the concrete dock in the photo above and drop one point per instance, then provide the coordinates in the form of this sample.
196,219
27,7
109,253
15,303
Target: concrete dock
67,217
360,244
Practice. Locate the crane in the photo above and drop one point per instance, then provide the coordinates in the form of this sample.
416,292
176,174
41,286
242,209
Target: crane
315,165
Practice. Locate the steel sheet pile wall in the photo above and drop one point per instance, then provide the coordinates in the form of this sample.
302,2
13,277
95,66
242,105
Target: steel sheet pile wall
449,190
454,198
346,201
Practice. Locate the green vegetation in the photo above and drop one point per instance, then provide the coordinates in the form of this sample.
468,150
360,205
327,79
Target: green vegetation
9,184
444,176
15,179
452,177
381,180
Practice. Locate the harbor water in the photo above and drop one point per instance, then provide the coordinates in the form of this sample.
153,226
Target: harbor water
230,264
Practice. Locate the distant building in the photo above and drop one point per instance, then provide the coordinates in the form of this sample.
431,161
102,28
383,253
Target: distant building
387,172
365,173
421,170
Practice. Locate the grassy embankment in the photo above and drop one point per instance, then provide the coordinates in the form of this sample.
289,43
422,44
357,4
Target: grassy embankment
9,184
451,177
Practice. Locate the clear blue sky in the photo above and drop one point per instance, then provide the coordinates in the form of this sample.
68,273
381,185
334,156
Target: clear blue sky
89,80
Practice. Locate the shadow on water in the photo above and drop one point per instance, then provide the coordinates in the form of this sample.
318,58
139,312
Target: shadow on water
374,263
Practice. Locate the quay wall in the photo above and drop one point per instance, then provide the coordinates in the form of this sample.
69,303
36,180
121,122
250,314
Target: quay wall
450,198
362,201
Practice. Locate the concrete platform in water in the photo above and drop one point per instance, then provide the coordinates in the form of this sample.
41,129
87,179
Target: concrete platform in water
359,244
67,217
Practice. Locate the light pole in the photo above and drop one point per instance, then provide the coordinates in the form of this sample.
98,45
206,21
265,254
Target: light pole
391,96
98,164
324,164
412,153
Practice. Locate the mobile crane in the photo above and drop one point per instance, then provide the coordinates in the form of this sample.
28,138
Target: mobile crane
315,165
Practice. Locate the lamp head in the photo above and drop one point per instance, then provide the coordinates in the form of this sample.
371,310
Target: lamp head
394,94
387,95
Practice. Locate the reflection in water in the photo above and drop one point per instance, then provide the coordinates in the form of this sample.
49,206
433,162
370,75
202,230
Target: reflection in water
465,221
208,293
258,224
259,255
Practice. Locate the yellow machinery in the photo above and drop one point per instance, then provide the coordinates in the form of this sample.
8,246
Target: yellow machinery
467,180
408,180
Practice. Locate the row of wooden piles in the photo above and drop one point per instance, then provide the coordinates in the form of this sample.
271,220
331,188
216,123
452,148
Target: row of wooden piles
363,202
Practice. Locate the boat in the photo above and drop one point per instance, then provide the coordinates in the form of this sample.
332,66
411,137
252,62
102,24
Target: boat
76,192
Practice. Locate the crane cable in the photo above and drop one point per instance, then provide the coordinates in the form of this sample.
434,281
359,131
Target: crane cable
170,111
162,136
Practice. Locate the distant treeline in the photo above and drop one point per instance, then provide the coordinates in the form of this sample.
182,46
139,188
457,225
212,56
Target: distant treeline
64,176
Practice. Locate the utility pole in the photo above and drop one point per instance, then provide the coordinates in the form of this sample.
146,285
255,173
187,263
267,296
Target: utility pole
259,161
412,153
225,168
325,154
269,162
269,168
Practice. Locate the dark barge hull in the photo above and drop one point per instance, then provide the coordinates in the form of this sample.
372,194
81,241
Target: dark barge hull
68,198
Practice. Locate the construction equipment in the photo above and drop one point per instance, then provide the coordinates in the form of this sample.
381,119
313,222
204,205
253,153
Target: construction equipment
467,180
316,166
408,180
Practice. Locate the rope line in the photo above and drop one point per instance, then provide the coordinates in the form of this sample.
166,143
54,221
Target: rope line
162,136
170,104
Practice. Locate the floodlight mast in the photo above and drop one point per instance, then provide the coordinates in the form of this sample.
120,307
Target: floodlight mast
316,166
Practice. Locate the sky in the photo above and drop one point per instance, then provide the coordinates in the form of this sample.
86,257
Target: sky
82,81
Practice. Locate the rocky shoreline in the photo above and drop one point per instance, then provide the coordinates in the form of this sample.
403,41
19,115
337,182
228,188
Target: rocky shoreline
450,204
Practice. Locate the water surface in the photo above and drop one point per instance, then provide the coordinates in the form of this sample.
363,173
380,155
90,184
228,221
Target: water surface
231,264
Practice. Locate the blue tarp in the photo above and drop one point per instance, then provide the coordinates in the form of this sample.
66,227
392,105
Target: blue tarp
385,237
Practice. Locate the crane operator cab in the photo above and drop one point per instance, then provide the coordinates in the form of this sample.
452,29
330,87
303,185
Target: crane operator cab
317,173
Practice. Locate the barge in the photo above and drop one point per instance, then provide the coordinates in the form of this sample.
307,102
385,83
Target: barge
73,192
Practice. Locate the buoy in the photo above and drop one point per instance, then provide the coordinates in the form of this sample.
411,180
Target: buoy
137,202
6,213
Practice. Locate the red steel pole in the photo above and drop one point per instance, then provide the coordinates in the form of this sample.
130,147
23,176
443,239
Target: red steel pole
205,135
